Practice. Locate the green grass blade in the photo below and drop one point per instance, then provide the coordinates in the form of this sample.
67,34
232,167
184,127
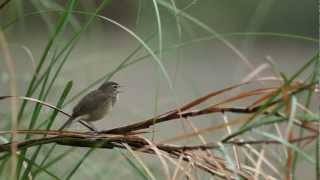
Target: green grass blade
304,67
286,143
156,9
75,24
47,19
137,169
317,156
72,43
277,93
60,103
38,107
58,29
34,117
138,38
52,117
4,161
53,161
109,75
60,25
229,161
31,163
74,170
261,122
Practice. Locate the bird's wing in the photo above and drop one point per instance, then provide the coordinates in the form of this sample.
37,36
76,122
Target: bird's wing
89,103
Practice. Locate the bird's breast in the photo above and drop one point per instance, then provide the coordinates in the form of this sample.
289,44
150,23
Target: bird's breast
100,112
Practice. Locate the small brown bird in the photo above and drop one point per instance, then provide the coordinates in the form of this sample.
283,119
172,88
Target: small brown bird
95,105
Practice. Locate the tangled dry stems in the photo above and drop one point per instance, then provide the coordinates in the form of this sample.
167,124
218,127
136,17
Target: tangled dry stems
198,155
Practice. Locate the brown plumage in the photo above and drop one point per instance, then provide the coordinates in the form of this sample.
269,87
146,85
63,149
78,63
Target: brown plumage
95,105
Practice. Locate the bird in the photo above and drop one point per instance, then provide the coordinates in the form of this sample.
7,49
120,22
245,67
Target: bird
95,105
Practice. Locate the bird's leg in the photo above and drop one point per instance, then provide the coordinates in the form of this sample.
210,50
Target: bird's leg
66,124
90,126
93,127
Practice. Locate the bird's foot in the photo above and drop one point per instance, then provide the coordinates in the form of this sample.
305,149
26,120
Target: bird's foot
93,133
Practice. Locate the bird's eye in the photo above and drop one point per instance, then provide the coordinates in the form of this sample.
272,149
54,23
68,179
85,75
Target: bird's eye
115,86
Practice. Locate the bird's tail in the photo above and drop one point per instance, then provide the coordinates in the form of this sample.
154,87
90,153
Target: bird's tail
66,124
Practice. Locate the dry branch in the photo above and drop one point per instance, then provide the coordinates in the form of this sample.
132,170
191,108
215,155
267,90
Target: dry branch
128,135
111,141
179,113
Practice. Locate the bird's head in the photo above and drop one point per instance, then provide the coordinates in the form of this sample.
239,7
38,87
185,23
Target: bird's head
110,87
